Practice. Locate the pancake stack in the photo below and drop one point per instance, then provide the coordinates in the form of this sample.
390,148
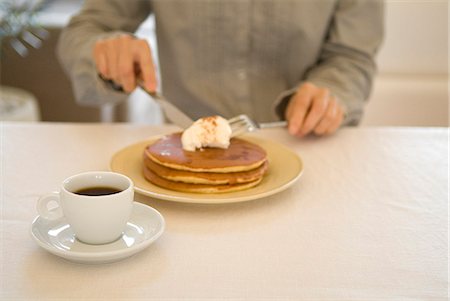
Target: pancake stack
209,170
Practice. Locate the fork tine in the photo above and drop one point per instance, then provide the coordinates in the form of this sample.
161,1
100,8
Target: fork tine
236,118
238,132
241,124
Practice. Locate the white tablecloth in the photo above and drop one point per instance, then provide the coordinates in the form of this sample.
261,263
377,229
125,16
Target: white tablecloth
367,221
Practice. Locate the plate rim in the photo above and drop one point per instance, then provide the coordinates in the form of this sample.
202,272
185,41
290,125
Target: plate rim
212,200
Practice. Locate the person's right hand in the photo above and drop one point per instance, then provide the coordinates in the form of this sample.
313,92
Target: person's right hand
123,59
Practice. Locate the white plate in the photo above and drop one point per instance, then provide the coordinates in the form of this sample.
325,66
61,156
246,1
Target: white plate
285,168
145,226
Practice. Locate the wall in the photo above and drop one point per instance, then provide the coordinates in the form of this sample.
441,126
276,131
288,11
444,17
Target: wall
40,73
412,86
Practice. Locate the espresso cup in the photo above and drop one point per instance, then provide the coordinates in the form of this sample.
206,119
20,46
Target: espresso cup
97,205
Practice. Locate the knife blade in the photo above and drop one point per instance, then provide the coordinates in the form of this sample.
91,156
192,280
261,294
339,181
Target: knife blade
172,113
175,115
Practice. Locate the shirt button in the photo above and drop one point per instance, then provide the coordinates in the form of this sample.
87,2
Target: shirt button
242,74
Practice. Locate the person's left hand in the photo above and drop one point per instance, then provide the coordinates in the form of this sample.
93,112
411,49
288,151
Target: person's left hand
313,109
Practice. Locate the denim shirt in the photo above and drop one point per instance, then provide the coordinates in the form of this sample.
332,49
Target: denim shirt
236,56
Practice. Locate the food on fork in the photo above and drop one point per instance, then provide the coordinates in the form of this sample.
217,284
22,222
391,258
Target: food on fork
213,168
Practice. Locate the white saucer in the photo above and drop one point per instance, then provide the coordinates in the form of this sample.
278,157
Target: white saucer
145,226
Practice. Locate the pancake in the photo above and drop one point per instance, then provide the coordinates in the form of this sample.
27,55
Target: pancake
240,156
210,170
196,188
206,177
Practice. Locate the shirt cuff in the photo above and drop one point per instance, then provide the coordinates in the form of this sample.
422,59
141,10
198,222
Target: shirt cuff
282,101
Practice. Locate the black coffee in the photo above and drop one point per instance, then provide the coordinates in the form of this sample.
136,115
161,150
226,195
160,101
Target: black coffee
97,191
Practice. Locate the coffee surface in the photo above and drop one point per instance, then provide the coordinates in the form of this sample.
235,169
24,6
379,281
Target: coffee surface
97,191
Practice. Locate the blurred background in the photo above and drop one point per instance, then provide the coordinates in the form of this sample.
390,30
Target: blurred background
411,88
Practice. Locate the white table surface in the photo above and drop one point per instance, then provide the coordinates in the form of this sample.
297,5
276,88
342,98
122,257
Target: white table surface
367,221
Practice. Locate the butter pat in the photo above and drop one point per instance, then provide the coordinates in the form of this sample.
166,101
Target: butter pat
212,131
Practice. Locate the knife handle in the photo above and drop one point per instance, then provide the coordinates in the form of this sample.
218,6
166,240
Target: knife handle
153,94
119,88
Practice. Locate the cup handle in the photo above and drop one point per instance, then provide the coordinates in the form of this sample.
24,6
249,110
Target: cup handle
44,211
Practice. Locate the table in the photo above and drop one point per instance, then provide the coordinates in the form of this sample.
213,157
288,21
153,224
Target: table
367,221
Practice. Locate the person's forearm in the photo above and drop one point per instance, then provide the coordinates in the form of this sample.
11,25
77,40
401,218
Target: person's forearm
349,79
346,64
98,19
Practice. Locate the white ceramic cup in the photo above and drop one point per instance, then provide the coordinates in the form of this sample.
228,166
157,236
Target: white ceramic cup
94,219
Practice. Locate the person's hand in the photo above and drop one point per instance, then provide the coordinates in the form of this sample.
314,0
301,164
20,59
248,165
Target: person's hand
123,59
313,110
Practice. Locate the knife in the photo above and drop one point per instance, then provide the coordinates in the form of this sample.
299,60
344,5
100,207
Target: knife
175,115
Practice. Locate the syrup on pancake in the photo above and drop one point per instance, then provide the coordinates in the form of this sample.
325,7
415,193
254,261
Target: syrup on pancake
210,170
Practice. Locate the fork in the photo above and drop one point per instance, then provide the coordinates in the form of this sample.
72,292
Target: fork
243,124
239,124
